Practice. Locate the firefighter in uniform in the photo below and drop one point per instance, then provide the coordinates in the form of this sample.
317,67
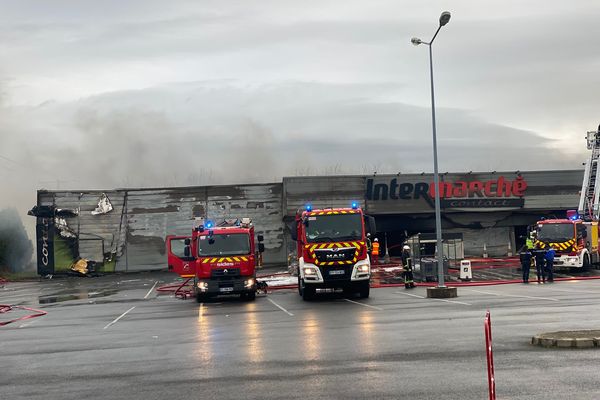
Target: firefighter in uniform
375,251
409,280
526,258
529,241
369,244
540,261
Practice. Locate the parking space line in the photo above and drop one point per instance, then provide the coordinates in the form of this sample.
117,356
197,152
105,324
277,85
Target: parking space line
151,289
443,300
513,295
364,305
29,323
453,301
410,294
118,318
281,308
572,291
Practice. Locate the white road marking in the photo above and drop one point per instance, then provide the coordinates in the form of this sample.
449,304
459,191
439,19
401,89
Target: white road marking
364,305
514,295
118,318
29,323
431,298
452,301
410,294
572,291
151,289
281,308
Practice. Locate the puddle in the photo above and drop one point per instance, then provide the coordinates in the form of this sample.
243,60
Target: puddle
57,298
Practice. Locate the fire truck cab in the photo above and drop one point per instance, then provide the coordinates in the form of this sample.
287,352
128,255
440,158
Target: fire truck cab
574,240
221,259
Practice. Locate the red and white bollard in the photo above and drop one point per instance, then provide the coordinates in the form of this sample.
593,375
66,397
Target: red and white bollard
487,325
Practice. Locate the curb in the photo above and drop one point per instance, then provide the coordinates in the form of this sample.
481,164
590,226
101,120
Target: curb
576,340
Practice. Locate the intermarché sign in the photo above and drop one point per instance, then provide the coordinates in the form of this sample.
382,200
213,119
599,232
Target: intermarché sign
492,193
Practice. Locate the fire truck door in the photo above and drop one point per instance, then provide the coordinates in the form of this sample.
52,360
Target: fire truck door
178,262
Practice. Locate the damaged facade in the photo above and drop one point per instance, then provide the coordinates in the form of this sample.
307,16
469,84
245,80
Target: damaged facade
125,229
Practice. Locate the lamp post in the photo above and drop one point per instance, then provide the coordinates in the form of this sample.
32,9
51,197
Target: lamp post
444,19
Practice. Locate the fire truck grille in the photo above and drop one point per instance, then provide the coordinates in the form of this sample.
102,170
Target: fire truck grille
225,273
335,254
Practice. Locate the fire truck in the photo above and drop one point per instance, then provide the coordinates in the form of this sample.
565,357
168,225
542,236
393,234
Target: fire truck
221,260
575,239
332,250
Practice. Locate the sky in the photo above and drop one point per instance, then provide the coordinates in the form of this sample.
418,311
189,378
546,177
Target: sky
132,93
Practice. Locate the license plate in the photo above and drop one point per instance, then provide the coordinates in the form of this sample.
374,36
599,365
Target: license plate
226,289
337,272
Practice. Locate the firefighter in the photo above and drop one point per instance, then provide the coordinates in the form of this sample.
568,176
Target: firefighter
369,243
409,280
549,258
375,251
525,257
529,240
540,258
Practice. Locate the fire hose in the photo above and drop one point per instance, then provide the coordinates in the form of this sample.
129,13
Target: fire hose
5,308
184,290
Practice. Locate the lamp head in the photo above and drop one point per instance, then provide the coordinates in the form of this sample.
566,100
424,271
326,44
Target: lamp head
444,18
416,41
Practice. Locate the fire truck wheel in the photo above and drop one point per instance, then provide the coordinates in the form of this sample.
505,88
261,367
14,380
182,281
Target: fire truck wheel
364,290
249,296
586,262
308,292
201,298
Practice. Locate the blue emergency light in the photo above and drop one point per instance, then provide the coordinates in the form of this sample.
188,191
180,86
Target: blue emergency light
354,205
208,224
308,207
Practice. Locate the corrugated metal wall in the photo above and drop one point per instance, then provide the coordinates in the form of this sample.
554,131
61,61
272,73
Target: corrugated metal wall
136,228
98,234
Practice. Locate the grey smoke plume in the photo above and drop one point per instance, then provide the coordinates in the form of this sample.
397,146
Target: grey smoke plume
16,249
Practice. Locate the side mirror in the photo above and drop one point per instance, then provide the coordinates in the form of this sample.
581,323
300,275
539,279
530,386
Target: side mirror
187,241
186,250
260,238
261,247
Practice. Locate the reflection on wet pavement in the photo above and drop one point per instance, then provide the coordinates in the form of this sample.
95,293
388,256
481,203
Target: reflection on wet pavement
80,295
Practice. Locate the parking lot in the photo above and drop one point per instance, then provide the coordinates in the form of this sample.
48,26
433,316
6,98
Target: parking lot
115,337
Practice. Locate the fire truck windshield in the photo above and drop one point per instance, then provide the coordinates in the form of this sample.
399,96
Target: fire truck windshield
555,232
224,245
329,228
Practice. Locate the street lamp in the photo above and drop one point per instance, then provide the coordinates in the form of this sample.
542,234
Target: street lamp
444,19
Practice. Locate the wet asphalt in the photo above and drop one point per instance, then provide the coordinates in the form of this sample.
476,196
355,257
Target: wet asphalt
115,337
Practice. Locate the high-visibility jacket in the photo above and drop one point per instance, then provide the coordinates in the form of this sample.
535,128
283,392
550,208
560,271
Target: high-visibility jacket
375,250
529,243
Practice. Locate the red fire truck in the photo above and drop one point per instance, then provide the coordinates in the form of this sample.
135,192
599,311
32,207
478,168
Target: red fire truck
332,250
574,240
220,259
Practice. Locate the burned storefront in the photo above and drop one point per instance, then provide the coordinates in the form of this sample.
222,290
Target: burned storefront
125,229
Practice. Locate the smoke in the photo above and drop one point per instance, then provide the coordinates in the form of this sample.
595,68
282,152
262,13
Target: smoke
16,249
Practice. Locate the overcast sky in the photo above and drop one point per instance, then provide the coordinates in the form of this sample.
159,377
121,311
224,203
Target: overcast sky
113,93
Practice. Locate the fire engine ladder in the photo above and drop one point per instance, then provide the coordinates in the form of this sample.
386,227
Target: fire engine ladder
590,189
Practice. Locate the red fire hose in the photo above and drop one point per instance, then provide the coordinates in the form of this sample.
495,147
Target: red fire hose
5,308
